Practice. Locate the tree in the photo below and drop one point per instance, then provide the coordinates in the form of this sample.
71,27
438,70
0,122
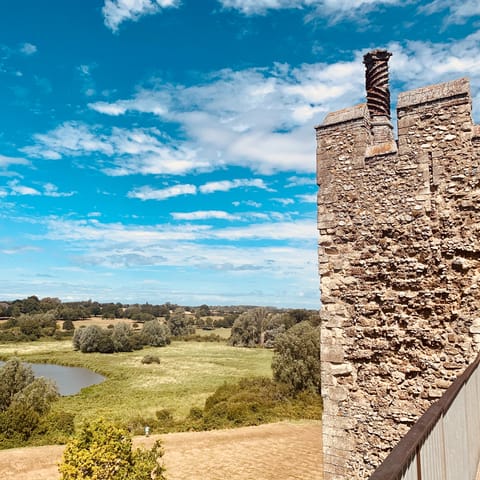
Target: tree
24,400
103,451
155,334
249,328
179,324
296,360
121,337
93,339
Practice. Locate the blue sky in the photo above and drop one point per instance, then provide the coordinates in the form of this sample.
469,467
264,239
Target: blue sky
164,150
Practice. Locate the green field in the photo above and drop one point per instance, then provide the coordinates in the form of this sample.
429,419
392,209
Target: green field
187,374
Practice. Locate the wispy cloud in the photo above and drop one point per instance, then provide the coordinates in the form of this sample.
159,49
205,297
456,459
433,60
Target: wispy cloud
135,151
335,9
284,201
204,215
20,250
300,181
307,198
458,12
114,245
116,12
148,193
6,162
14,188
227,185
51,190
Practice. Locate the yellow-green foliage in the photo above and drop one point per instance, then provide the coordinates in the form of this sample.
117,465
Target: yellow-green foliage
102,451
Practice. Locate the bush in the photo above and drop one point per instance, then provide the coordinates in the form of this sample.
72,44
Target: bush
103,451
155,334
149,359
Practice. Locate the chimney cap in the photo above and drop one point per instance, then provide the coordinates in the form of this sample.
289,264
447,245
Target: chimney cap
376,55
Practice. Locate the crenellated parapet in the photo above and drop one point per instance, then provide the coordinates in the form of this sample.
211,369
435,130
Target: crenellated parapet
399,261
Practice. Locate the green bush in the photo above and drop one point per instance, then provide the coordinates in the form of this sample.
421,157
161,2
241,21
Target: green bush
149,359
101,450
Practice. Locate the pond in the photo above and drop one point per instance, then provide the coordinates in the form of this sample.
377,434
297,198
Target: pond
69,380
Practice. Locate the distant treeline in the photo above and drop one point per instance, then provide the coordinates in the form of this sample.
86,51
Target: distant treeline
140,312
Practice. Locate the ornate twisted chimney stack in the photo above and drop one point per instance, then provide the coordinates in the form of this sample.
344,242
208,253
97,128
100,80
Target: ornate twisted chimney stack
378,99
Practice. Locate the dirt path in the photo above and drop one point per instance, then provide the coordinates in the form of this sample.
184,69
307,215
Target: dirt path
287,451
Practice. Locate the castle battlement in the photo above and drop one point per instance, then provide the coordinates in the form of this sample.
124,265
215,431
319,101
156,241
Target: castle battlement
399,261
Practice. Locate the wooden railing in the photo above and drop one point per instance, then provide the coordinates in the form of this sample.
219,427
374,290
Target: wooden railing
444,444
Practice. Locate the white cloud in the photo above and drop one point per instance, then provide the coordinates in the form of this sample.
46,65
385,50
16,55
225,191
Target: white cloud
204,215
307,198
459,12
148,193
416,64
270,130
6,162
51,190
227,185
69,139
300,181
16,189
330,8
284,201
127,152
116,12
28,49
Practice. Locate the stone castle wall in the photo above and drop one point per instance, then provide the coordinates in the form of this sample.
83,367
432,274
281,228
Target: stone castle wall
399,260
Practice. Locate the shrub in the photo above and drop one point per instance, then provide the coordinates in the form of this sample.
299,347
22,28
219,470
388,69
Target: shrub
148,359
121,337
103,451
155,334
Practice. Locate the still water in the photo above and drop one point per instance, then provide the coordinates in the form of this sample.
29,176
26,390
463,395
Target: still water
69,380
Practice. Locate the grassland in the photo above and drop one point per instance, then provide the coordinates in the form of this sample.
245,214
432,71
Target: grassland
187,374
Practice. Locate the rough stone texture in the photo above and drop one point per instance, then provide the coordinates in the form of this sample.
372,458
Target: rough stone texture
399,263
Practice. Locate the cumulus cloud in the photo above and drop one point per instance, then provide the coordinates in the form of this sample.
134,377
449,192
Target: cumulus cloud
416,64
28,49
270,130
14,188
116,12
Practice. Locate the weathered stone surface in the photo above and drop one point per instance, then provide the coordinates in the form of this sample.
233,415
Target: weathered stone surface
400,269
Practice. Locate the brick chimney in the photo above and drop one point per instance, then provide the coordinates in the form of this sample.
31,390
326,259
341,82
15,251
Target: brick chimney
378,97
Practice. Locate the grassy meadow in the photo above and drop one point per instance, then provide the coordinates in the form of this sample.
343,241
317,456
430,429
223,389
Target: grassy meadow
187,374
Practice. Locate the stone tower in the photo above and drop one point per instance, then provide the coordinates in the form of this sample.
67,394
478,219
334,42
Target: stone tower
399,262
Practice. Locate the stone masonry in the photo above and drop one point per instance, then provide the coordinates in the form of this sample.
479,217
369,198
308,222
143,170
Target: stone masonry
399,261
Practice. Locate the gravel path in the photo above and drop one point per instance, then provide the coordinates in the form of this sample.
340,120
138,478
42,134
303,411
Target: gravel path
286,451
